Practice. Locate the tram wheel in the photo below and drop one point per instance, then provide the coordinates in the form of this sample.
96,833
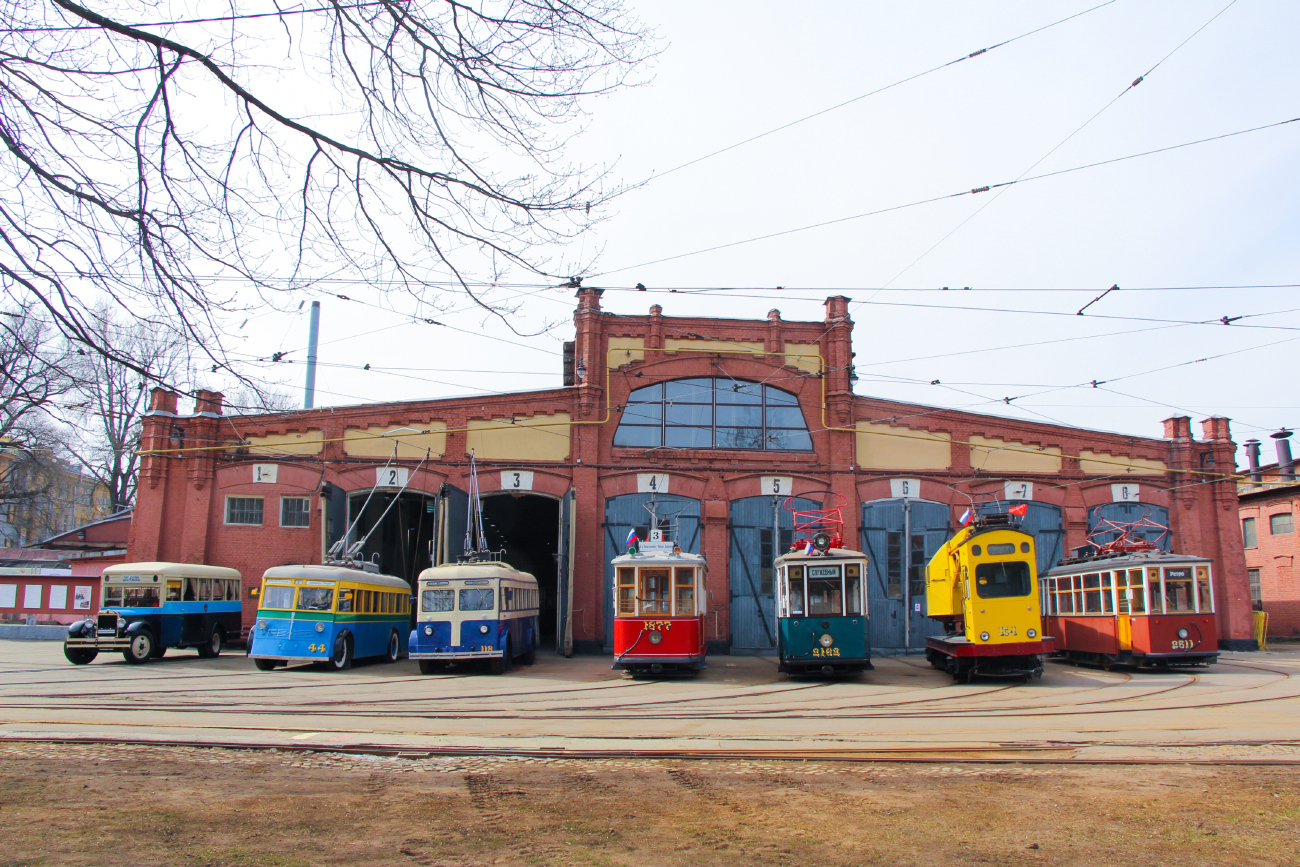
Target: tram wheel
212,649
342,656
266,664
140,648
394,647
79,655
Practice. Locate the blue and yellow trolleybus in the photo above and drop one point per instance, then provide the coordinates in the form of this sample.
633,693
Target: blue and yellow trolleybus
329,614
822,625
475,610
146,608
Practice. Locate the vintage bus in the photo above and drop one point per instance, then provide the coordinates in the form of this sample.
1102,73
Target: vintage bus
475,611
147,608
329,614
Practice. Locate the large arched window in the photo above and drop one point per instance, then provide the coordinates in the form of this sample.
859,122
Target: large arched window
713,413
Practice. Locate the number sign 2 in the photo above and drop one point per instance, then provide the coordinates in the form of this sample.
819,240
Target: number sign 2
905,489
391,477
652,483
777,486
1018,490
516,480
1124,493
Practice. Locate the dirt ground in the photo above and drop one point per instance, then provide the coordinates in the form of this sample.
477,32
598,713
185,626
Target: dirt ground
100,805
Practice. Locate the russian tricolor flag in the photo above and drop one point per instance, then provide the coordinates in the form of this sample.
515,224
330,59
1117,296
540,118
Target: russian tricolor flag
631,538
966,517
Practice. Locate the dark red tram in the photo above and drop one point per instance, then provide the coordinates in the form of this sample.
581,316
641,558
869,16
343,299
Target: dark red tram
1129,603
658,610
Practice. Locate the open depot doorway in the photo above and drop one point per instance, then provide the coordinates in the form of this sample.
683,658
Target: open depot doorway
526,527
404,538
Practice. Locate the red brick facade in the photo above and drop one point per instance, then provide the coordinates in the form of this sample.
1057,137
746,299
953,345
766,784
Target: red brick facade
193,463
1274,553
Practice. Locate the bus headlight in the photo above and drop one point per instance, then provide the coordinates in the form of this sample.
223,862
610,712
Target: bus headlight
984,636
320,627
428,630
656,637
261,624
483,629
1033,633
121,624
826,640
1183,633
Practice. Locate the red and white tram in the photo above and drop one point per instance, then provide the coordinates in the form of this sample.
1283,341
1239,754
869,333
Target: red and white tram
1132,604
658,609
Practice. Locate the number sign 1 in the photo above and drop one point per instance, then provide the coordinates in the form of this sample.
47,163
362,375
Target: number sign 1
516,480
777,486
905,489
1018,490
652,483
1124,493
391,477
265,473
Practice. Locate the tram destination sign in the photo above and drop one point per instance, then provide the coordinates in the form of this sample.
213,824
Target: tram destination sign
823,571
653,547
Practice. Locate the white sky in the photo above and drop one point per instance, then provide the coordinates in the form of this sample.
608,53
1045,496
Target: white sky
1220,214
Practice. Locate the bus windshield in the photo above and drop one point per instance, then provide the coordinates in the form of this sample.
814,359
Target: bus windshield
277,596
315,599
438,600
131,597
1003,579
476,599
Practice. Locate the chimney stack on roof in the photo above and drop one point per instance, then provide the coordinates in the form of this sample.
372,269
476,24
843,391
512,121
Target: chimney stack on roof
1285,464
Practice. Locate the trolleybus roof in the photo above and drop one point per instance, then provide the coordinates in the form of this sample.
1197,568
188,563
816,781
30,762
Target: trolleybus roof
335,573
171,570
485,569
1123,561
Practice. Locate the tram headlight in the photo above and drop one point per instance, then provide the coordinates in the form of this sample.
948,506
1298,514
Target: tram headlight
826,640
1032,633
1183,633
428,630
261,624
984,636
656,637
320,627
483,629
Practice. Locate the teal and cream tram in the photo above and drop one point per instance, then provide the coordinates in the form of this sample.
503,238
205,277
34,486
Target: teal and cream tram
146,608
475,611
822,625
329,614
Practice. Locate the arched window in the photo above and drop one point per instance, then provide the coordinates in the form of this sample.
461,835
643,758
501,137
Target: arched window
713,413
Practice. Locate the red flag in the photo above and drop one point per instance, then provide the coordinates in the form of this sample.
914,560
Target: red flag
1019,510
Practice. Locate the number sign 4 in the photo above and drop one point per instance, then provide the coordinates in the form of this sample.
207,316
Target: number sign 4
391,477
516,480
652,483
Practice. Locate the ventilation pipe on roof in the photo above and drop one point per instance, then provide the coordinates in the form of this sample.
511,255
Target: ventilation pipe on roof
313,337
1252,459
1285,464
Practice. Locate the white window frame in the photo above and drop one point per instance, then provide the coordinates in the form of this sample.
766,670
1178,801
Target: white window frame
226,515
284,497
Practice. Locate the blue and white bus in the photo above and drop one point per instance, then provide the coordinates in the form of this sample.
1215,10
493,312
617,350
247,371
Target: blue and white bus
475,611
146,608
329,614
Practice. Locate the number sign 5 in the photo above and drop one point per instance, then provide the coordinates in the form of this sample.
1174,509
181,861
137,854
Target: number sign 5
516,480
777,486
391,477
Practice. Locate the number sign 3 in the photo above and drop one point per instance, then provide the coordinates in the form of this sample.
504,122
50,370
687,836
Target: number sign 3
391,477
516,480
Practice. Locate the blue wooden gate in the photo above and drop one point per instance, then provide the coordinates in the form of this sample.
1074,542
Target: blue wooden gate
1043,522
899,537
760,530
1131,512
625,512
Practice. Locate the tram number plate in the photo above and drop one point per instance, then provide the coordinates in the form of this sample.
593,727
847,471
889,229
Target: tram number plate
826,651
663,625
1182,644
1007,630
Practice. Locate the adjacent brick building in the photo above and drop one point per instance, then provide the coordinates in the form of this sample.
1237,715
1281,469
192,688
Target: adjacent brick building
715,421
1269,502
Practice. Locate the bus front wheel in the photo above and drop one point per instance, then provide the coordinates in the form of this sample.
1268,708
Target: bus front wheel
501,664
140,648
79,655
266,664
428,666
342,657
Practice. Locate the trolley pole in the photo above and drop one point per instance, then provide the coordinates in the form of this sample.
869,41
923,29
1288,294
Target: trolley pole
313,338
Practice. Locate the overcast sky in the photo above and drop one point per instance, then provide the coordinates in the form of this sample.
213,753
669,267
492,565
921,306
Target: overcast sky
1219,214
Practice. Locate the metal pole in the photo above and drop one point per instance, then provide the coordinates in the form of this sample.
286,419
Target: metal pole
907,576
313,338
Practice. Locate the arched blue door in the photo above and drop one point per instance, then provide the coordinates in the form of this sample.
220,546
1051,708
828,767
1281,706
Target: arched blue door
1125,512
760,530
623,513
1043,522
899,537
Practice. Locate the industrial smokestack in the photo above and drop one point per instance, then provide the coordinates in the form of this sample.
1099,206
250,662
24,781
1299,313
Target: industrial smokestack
1252,458
1285,465
313,337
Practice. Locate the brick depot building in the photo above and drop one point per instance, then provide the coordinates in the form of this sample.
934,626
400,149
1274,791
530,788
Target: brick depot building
718,421
1269,503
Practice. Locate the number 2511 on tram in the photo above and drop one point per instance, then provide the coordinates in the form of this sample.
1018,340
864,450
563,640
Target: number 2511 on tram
659,612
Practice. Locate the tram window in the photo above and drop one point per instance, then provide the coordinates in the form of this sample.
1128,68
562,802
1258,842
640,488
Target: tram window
654,591
1137,599
173,591
853,588
894,565
191,589
1156,605
345,600
315,599
1064,594
277,596
1092,593
1108,592
477,599
1178,591
438,600
997,550
140,597
796,591
825,597
1204,596
1002,579
626,591
684,593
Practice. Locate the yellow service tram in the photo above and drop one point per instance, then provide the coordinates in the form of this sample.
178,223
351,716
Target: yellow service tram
983,586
